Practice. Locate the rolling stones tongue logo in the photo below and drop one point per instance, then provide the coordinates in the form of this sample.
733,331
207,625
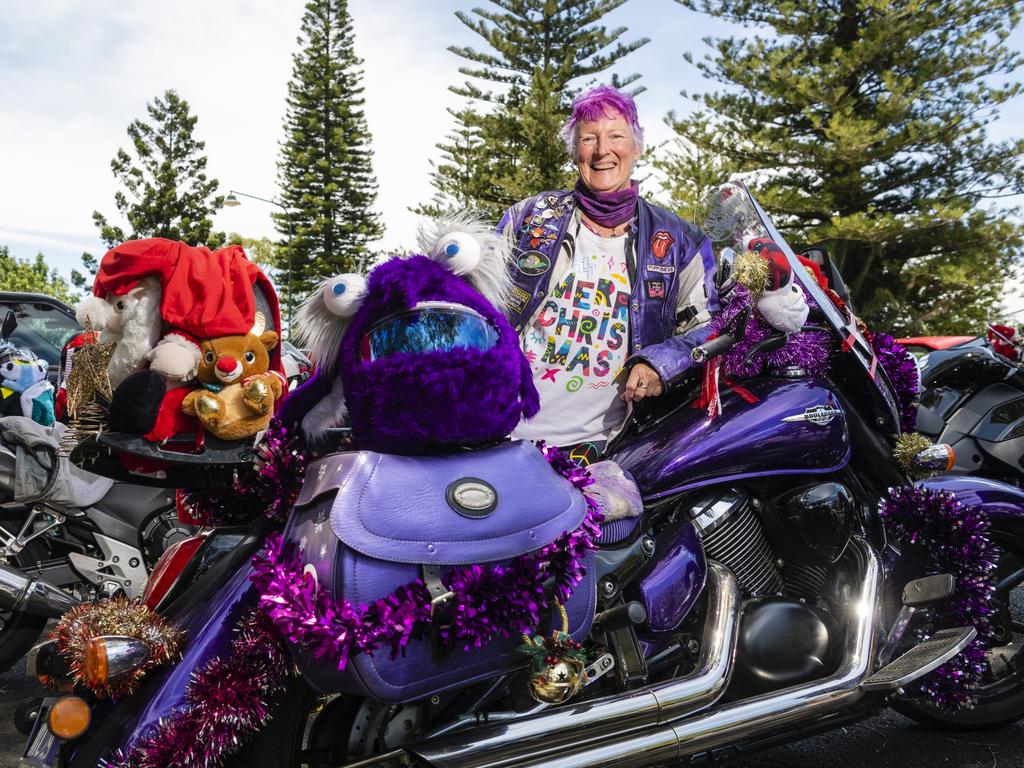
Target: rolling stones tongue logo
660,244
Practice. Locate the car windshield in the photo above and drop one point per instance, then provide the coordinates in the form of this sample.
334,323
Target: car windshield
731,217
42,328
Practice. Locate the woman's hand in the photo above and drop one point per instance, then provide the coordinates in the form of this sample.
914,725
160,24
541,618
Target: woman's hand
643,382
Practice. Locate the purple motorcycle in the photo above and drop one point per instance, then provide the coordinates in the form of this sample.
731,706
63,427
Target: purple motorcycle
786,576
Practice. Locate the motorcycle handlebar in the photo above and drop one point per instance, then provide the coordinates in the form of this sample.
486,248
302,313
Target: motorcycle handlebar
717,346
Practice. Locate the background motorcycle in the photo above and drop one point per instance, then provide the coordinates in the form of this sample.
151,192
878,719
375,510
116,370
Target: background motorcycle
90,538
973,399
54,553
756,601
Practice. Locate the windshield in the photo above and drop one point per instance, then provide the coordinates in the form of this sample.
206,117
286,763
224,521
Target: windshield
732,217
42,328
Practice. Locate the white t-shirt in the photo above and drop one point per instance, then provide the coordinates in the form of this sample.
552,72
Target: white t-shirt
577,346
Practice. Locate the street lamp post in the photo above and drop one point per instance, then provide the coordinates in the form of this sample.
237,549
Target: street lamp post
231,201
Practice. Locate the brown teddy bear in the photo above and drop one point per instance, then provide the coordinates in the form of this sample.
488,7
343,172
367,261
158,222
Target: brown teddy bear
237,391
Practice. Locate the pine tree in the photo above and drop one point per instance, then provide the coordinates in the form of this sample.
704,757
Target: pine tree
84,281
33,277
325,168
168,192
861,126
506,143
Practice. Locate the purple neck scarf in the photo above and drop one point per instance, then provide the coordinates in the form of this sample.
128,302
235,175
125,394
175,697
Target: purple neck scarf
609,209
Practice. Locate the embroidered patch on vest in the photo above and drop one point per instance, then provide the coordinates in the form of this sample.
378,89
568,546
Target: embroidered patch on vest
517,299
533,263
665,269
660,243
655,289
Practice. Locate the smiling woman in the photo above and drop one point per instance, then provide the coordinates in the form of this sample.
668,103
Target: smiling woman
611,292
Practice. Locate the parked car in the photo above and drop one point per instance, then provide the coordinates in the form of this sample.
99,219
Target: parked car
45,325
297,367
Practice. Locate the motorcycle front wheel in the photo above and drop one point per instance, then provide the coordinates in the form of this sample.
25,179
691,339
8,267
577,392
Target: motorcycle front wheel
1000,694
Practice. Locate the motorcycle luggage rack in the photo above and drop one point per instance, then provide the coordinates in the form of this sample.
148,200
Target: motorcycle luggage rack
172,464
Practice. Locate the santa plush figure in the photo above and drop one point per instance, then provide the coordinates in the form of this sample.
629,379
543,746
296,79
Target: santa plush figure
782,303
198,293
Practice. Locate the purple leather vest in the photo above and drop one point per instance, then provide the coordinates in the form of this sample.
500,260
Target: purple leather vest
662,247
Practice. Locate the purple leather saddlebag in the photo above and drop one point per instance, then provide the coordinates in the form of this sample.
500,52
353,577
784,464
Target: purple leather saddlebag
369,522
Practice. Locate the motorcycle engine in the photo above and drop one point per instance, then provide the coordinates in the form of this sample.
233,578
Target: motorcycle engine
785,639
732,534
160,532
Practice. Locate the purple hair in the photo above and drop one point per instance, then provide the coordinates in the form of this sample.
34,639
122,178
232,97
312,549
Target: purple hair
602,101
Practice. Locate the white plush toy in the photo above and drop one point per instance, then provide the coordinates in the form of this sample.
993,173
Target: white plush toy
782,303
320,323
132,322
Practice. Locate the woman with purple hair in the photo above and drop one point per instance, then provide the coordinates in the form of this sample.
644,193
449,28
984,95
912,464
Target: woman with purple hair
610,293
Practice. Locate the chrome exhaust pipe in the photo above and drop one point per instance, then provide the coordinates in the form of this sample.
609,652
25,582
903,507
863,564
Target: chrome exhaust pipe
554,731
750,718
20,593
633,732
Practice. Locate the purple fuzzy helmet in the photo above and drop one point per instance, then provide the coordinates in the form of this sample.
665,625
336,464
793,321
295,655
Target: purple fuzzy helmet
427,401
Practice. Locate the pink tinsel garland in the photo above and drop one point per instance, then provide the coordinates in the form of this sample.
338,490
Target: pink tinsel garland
491,600
271,485
949,537
226,702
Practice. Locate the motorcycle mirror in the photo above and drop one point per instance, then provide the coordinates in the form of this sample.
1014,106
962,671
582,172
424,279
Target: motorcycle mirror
724,276
9,324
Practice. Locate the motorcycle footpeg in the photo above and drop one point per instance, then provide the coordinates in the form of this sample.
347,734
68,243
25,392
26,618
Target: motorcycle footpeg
928,590
620,616
920,660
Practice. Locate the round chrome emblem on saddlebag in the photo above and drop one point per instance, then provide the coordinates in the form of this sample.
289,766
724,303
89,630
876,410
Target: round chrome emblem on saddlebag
472,497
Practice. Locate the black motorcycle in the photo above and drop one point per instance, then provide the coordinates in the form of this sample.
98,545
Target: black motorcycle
972,398
92,538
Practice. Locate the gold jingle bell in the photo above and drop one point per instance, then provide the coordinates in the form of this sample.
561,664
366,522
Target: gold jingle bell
208,405
558,682
256,391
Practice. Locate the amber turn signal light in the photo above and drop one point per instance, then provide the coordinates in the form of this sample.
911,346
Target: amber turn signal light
69,717
97,669
109,656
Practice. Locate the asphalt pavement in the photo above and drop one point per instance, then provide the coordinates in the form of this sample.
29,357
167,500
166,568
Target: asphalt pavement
886,741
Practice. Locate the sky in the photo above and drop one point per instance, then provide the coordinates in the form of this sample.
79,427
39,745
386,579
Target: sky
74,74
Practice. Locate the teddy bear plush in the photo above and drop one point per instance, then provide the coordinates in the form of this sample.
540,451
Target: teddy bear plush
237,389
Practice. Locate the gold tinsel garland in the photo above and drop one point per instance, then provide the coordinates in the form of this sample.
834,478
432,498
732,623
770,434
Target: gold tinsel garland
908,445
86,382
751,271
115,616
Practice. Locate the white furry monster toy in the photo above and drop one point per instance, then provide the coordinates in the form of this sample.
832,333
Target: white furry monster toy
465,245
130,320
